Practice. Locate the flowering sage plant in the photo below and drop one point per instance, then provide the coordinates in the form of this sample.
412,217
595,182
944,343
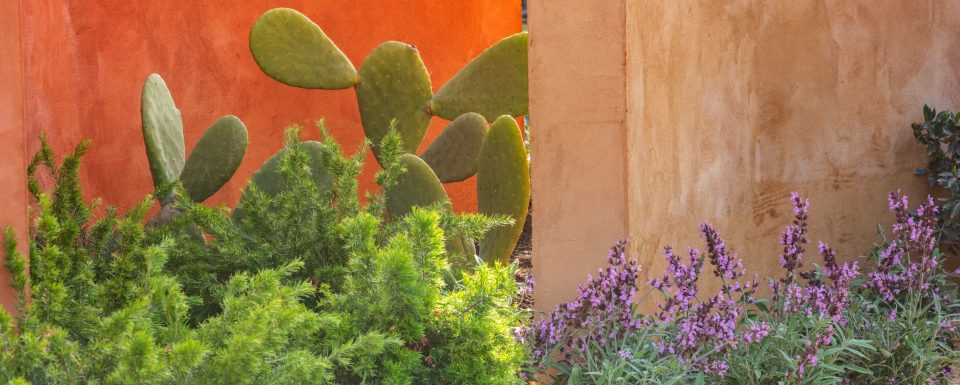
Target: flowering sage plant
818,322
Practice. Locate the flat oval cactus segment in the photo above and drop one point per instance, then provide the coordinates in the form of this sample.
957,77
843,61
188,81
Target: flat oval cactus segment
503,187
270,182
462,246
418,186
492,84
215,158
162,131
454,154
292,49
394,84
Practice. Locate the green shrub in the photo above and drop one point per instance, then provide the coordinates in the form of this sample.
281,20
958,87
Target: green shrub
300,221
940,135
307,286
103,310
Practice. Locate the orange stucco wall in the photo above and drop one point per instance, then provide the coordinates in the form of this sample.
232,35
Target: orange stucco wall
83,64
13,193
86,62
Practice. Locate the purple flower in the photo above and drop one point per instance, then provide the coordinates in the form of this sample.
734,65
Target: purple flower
908,261
602,311
825,293
794,237
717,325
757,332
949,326
712,323
808,359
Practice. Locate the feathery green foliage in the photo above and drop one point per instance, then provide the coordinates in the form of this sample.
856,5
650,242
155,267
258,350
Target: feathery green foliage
308,287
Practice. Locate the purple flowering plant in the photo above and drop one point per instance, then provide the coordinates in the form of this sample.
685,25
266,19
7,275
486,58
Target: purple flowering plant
821,321
907,306
735,336
600,324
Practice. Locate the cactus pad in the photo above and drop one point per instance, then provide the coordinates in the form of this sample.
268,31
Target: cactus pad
453,155
503,187
418,186
462,246
270,182
292,49
215,158
162,131
492,84
394,84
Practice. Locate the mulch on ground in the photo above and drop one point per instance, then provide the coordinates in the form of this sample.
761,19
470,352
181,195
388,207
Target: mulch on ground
523,254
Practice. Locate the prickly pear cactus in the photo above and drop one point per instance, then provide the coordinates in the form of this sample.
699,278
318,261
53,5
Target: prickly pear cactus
162,131
503,187
394,84
270,182
462,246
454,154
215,158
492,84
290,48
418,186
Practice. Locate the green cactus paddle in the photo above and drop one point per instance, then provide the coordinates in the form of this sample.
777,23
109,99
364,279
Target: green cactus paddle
290,48
454,154
503,187
492,84
162,132
394,84
215,158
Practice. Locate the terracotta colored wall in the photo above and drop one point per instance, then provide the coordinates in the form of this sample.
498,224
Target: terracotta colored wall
13,194
577,85
83,64
728,107
86,62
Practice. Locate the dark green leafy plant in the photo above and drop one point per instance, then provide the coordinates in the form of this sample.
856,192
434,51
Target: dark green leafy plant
940,135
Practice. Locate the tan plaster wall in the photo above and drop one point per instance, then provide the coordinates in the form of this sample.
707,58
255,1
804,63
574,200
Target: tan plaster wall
734,104
577,85
651,116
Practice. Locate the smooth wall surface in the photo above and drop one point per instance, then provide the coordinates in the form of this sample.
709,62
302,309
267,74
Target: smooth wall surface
733,105
85,64
726,108
577,110
13,167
